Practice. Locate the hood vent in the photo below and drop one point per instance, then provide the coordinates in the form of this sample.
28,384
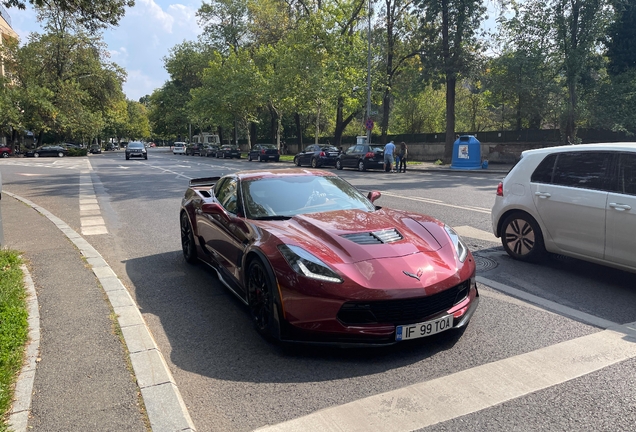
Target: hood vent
376,237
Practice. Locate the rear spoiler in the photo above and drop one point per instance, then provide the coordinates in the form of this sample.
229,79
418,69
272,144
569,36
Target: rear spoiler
204,181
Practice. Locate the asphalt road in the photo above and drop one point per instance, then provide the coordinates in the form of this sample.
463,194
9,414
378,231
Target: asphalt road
232,380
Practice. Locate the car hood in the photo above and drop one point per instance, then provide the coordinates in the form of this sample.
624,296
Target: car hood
352,236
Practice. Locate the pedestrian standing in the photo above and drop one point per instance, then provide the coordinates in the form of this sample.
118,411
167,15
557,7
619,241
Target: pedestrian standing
389,150
403,155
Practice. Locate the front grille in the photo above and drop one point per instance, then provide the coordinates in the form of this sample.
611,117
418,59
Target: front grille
402,311
376,237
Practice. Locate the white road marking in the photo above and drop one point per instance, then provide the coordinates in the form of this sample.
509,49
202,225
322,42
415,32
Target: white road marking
547,304
91,220
432,201
442,399
468,231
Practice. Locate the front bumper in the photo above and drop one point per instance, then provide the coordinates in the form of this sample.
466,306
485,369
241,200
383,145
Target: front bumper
139,155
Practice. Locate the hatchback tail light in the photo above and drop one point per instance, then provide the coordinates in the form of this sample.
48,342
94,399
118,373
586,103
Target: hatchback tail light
369,155
500,189
263,151
322,154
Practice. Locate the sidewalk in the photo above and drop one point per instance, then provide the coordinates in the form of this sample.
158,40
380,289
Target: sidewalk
85,378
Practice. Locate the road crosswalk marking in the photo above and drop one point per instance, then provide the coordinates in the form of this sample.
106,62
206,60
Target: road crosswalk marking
442,399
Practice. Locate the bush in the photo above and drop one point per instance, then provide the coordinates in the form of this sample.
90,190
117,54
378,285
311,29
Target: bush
77,152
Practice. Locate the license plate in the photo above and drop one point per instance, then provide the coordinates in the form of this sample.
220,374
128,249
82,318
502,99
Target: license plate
423,329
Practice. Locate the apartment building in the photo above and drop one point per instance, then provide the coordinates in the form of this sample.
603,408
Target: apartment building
6,32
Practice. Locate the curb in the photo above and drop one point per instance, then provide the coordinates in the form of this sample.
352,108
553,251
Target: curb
164,405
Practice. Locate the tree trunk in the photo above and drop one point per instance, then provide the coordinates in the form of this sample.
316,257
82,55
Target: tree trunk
451,80
341,123
390,41
299,131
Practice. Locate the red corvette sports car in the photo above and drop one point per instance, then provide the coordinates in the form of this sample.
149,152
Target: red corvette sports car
315,260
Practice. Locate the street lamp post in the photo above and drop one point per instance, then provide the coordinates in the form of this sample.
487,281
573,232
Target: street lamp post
369,74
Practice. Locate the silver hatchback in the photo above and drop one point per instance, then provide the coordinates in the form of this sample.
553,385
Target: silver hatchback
576,200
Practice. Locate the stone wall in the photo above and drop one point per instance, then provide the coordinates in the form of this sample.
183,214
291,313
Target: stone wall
493,152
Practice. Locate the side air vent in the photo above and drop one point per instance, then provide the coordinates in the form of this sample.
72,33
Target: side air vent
376,237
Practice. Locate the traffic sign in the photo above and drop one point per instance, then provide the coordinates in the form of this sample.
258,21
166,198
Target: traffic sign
369,124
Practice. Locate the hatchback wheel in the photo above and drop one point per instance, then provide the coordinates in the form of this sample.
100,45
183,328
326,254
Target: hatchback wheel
258,158
338,164
5,154
522,238
314,163
36,154
361,166
297,161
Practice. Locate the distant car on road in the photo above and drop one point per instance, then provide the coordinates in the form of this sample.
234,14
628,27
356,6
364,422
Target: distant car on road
5,152
264,152
136,149
209,150
49,150
178,148
95,149
193,149
362,157
228,151
317,155
576,200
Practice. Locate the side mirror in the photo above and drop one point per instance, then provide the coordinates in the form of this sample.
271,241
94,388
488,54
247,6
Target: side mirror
374,195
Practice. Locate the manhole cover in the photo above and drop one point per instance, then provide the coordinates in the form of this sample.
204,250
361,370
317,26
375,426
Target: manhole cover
484,264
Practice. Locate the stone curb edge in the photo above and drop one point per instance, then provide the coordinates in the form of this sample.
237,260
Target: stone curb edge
164,404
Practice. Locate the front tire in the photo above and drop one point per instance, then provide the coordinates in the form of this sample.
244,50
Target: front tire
260,291
522,238
36,154
5,154
187,240
297,161
338,164
314,163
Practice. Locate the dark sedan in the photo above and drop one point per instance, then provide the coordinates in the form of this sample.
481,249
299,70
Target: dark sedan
56,151
193,149
315,260
209,150
362,157
229,151
264,152
317,155
136,149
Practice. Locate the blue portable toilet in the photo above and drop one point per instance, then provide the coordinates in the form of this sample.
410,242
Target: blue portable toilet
466,153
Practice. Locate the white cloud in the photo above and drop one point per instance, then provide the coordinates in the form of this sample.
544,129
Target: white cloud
139,84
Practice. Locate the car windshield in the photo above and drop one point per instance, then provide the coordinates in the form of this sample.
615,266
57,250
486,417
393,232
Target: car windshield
377,149
267,146
135,145
329,148
287,196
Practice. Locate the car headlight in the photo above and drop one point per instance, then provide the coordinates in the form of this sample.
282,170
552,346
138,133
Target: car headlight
308,265
458,243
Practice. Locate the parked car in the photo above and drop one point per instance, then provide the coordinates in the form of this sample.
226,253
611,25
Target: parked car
152,145
577,201
209,150
48,150
95,149
362,157
5,152
317,155
228,151
136,149
315,260
193,149
264,152
178,148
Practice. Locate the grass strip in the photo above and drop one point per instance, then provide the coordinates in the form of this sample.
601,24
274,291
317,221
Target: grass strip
14,327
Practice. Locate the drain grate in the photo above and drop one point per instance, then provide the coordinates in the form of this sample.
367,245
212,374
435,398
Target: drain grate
484,264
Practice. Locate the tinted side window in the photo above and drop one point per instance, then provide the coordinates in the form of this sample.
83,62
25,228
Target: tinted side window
588,170
228,195
350,150
627,174
543,173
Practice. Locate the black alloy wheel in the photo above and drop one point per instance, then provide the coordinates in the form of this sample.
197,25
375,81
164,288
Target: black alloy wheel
36,154
5,154
260,291
297,161
187,240
314,163
522,238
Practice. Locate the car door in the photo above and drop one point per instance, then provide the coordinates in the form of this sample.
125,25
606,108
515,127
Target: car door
620,246
305,157
350,158
572,205
224,232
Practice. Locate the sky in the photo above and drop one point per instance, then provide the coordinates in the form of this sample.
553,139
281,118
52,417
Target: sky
142,39
140,42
